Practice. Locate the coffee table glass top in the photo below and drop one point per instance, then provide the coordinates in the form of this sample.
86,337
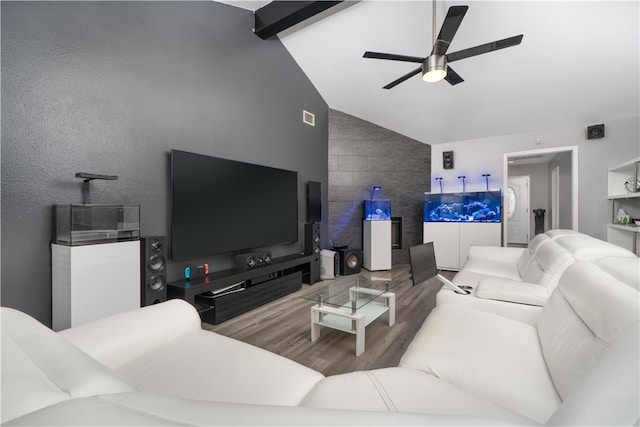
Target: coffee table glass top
352,293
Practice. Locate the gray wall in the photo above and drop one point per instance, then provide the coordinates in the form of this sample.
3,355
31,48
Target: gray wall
563,162
361,155
111,88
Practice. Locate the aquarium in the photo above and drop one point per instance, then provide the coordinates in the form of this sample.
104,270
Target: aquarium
475,206
377,209
76,225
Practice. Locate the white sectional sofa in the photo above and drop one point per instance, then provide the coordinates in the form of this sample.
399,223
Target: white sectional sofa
576,363
500,277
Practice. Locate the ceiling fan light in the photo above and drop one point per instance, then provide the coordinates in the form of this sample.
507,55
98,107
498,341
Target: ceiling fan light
434,68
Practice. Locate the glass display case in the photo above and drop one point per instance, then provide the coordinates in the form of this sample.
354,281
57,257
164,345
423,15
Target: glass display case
377,209
76,225
475,206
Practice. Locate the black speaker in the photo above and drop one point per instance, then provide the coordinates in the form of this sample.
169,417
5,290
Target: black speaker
312,238
350,261
312,247
595,131
153,270
314,201
253,259
447,160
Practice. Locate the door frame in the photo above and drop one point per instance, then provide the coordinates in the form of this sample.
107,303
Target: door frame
555,197
573,149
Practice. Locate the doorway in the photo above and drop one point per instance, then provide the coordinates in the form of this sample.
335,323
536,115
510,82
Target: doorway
558,193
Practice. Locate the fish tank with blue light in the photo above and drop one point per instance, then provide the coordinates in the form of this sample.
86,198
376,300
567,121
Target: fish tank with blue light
474,206
377,209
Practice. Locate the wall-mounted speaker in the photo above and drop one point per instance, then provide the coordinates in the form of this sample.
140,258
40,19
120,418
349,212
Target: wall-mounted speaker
447,160
350,261
595,131
153,270
253,259
314,201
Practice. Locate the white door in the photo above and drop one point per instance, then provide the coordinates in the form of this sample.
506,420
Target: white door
517,210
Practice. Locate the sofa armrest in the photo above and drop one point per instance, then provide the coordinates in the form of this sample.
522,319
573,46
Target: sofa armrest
512,291
501,253
121,338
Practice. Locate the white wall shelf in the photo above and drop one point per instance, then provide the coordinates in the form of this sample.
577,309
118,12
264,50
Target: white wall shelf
625,235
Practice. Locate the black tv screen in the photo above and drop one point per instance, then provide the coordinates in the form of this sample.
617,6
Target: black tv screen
223,206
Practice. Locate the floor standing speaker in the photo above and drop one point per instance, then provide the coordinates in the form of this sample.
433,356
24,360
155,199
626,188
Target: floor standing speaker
350,261
153,270
312,247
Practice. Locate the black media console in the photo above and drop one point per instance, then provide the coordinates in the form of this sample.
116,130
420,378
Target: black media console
224,294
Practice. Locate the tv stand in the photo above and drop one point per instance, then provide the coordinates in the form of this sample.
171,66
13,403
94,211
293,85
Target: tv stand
224,294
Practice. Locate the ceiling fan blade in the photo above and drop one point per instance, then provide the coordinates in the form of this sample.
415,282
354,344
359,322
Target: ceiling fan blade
452,21
392,57
403,78
452,77
484,48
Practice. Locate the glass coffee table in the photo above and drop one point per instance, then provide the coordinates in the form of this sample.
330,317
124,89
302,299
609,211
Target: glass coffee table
350,305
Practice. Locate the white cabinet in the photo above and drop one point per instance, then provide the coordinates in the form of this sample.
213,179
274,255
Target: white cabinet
624,235
376,242
93,281
451,240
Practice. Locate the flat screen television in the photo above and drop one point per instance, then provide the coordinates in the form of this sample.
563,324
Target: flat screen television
225,206
473,206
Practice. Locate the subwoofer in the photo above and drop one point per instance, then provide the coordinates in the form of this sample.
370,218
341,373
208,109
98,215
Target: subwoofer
350,261
153,270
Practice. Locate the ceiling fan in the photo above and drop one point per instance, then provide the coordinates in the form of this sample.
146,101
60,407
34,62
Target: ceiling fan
435,66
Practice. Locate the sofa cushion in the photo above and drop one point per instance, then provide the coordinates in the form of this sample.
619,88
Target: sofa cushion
402,390
530,252
494,357
548,264
610,394
585,247
207,366
512,291
123,337
130,409
582,318
39,368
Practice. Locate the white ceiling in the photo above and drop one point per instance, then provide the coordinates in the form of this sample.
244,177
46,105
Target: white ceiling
578,64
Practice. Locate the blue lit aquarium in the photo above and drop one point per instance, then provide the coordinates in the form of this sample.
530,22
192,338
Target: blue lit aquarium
475,206
377,209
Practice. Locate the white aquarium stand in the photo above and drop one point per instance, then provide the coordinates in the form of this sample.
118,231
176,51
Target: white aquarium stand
90,282
451,240
376,241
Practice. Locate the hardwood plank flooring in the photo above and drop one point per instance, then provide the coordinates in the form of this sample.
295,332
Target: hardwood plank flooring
283,327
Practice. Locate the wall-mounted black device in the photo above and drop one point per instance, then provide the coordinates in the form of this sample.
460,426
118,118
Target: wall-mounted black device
595,131
447,160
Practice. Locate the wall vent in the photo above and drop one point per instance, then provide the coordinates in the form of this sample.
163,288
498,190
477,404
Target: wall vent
308,118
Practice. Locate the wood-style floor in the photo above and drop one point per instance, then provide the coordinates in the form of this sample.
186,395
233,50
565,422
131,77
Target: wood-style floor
283,327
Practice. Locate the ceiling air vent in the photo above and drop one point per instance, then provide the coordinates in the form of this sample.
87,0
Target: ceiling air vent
308,118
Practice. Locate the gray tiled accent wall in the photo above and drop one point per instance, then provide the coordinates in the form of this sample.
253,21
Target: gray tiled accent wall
362,155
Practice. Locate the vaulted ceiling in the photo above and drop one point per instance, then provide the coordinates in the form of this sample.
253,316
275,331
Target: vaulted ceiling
578,64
